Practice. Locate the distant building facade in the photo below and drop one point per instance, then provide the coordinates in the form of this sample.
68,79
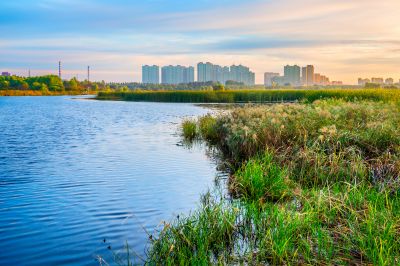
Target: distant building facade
209,72
377,80
268,78
308,76
177,74
317,79
5,74
320,80
362,82
292,75
205,72
151,74
242,74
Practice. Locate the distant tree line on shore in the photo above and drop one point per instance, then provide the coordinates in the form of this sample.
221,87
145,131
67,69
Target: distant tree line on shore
379,86
50,84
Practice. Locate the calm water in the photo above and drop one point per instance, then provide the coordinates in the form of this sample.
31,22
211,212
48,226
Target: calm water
75,172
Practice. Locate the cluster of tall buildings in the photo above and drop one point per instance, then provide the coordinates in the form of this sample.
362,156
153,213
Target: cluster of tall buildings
380,81
206,72
169,74
177,74
5,74
298,76
210,72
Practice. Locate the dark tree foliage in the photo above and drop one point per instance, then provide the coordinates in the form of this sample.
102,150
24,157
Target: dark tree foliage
50,83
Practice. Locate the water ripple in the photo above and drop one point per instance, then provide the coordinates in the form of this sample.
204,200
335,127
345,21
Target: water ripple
74,172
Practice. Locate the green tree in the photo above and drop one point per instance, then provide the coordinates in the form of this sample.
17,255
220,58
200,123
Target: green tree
4,84
36,85
23,86
44,89
73,84
54,83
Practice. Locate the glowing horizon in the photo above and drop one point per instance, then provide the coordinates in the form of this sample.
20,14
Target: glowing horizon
343,40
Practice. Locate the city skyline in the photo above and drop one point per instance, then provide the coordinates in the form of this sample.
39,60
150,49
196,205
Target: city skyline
345,39
293,75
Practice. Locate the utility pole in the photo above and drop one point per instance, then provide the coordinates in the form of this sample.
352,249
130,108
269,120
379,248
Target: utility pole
88,73
59,69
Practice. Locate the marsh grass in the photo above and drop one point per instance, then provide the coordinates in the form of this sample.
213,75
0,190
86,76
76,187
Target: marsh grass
254,96
261,179
189,129
315,184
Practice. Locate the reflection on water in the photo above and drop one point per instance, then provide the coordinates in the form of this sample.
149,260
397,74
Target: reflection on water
76,172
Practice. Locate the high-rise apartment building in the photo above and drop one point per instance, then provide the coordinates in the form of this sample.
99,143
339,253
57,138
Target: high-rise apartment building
151,74
209,72
242,74
377,80
304,76
292,75
177,74
205,72
188,75
5,74
317,79
362,82
308,76
268,78
324,81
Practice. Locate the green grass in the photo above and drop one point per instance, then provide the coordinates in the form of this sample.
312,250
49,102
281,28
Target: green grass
314,183
261,179
245,96
189,129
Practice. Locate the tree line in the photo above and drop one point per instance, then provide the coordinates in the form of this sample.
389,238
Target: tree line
50,83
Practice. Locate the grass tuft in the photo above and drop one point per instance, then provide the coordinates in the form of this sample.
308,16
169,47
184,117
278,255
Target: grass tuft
189,129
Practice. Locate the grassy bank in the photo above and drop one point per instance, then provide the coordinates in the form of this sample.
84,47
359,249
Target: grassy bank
314,183
244,96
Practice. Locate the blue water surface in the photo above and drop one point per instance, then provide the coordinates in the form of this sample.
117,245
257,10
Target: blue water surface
76,172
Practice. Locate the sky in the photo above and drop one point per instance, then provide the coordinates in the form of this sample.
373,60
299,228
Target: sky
343,39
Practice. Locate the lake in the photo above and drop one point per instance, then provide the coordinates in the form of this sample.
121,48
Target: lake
76,172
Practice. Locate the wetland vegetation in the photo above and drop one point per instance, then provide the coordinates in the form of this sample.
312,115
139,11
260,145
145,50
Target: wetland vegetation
316,182
255,96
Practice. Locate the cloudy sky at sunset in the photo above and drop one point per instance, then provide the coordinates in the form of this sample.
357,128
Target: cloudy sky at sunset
344,39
